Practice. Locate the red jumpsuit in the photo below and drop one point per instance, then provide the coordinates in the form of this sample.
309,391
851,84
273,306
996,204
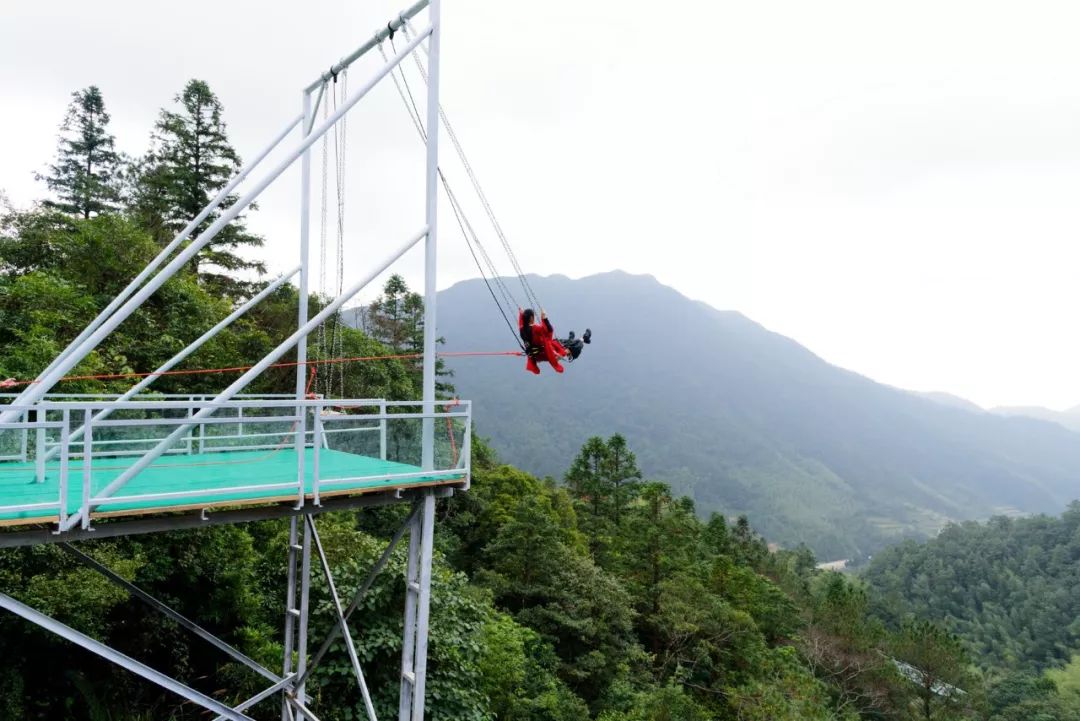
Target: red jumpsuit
540,344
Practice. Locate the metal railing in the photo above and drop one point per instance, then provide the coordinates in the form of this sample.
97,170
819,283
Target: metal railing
345,443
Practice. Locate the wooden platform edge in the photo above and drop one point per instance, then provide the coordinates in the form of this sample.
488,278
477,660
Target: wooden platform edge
235,503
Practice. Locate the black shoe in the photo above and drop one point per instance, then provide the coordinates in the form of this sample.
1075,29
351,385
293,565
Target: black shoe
570,338
587,337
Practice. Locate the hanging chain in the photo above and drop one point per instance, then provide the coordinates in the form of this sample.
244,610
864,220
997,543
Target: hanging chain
472,240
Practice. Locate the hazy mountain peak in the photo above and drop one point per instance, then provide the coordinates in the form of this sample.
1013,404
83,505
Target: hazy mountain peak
953,401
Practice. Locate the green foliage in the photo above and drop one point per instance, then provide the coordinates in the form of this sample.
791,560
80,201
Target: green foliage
58,271
783,691
604,478
666,703
1023,697
1067,682
561,594
842,644
1007,587
519,675
86,175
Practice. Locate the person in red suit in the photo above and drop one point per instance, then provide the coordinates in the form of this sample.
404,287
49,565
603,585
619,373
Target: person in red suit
542,345
540,341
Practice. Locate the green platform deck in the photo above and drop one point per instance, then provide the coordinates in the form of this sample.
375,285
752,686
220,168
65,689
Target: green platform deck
208,473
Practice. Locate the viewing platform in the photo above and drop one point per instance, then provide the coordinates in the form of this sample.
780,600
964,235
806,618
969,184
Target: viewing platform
71,461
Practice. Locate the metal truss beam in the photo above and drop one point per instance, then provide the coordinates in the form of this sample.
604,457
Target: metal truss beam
80,639
169,612
303,710
414,645
359,595
262,695
350,647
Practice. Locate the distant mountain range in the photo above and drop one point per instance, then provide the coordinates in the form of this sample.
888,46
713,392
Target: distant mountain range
747,421
1069,419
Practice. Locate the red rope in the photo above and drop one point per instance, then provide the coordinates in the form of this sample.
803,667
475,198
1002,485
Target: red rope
11,382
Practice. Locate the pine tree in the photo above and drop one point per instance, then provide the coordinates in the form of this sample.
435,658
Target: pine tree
623,474
391,322
86,177
191,160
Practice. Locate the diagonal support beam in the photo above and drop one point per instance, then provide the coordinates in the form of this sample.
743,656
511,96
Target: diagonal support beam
112,655
161,608
342,623
302,710
37,390
183,354
262,695
240,383
364,587
146,272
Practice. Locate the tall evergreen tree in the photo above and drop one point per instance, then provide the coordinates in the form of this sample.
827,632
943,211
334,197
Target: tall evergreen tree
623,473
190,161
86,176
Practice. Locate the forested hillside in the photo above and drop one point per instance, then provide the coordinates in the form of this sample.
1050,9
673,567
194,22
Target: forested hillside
1008,587
747,421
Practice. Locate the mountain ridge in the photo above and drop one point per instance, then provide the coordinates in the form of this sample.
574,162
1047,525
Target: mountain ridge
746,420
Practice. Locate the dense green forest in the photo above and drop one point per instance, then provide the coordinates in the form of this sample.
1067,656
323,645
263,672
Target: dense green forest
598,595
1010,588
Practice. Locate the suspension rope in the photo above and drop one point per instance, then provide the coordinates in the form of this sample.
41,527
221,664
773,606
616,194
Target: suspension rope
320,336
464,225
461,224
476,182
340,138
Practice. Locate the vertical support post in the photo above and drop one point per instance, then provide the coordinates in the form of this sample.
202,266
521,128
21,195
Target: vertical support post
426,521
24,449
290,614
302,309
466,443
300,691
418,597
408,642
430,246
417,611
316,447
427,537
65,439
88,451
39,448
382,430
191,431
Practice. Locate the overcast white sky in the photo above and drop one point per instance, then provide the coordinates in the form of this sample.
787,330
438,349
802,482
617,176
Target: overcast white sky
893,185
